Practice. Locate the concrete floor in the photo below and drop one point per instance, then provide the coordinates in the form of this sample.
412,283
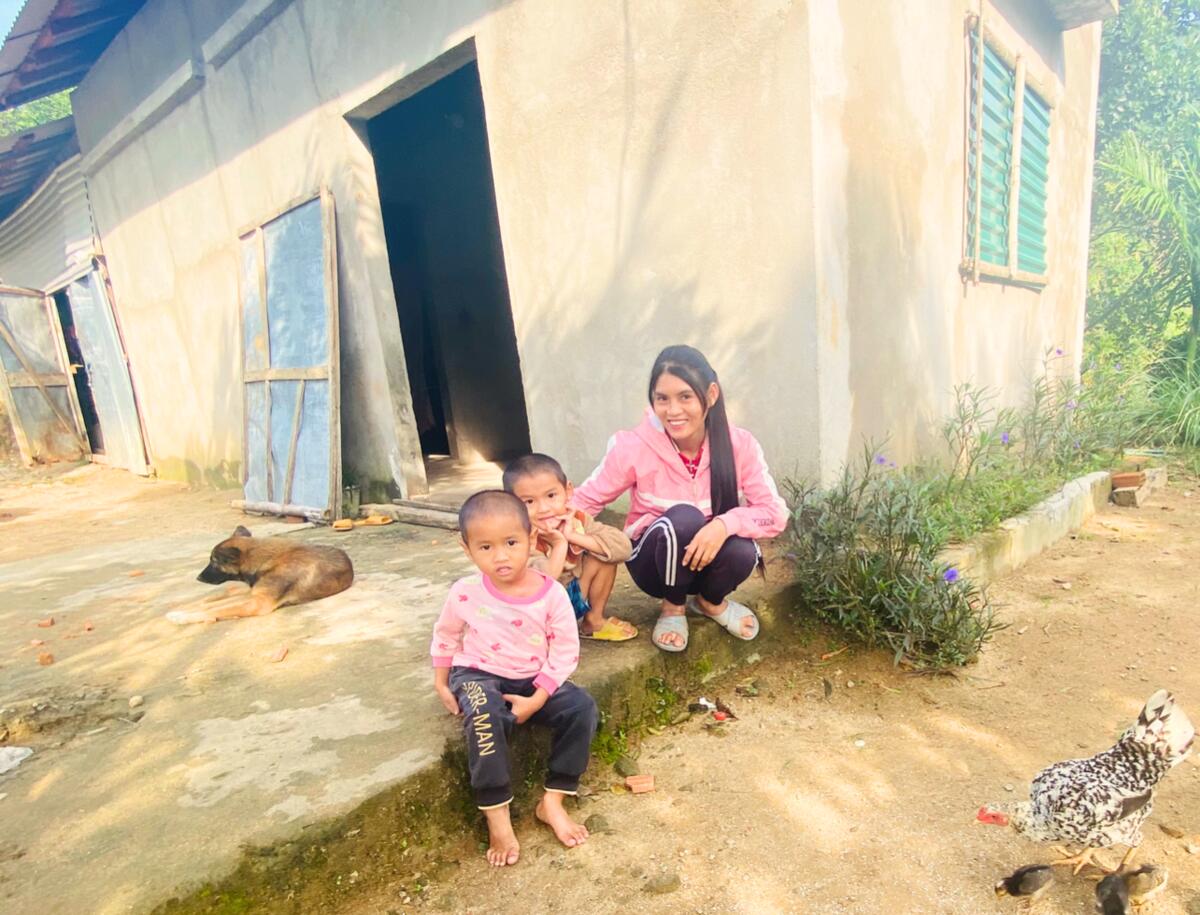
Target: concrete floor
450,483
109,815
113,814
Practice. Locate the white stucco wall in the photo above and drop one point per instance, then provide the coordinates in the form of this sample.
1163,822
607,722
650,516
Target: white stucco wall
901,328
777,182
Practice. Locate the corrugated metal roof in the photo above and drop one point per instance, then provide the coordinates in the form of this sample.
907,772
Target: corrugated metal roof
50,234
54,43
26,158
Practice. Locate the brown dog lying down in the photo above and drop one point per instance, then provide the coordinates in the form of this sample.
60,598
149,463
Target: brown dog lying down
279,570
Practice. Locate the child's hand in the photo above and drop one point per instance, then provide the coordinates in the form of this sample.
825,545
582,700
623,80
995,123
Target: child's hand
448,700
525,707
571,533
554,536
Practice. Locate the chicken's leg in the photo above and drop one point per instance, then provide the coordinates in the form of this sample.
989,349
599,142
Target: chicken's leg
1127,861
1080,861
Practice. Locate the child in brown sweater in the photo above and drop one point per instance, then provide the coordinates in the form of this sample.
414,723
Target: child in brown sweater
570,545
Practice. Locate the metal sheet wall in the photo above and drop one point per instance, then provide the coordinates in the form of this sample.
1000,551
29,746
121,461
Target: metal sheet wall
50,234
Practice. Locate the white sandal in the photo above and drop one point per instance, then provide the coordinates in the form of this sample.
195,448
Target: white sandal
730,619
666,625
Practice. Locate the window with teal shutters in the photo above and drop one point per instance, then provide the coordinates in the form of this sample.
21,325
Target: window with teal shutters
1007,168
1031,195
992,136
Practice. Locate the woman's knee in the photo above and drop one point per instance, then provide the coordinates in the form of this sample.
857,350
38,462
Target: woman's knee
740,551
736,559
686,519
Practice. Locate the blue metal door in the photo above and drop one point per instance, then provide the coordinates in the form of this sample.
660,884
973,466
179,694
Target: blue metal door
37,389
108,372
292,440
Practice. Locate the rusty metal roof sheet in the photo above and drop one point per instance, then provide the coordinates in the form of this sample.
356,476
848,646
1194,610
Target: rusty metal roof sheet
54,43
26,158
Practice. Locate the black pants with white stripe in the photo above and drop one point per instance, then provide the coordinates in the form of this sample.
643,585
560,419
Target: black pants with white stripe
656,565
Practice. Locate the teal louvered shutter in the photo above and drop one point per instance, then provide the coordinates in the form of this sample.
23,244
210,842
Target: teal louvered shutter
1031,201
991,130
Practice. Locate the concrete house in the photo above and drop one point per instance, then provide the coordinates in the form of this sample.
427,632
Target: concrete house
367,242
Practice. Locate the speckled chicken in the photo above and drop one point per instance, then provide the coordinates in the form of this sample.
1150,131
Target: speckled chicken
1103,800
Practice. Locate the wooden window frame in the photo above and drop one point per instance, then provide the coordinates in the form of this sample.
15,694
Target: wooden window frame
973,267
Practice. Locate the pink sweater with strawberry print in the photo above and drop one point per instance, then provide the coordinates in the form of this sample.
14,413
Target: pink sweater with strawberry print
515,637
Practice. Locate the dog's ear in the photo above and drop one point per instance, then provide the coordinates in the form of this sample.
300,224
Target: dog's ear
240,531
226,555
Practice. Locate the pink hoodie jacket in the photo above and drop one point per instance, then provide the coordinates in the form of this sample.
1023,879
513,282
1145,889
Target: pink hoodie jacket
645,462
513,637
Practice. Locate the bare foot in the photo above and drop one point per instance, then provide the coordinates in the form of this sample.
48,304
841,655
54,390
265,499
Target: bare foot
182,617
550,811
503,848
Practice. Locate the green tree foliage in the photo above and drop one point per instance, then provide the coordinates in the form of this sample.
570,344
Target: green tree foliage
1158,198
1150,73
31,114
1138,287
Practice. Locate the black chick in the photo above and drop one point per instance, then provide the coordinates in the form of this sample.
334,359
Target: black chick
1112,896
1026,882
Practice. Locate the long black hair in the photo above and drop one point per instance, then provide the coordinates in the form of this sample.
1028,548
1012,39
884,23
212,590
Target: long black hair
689,365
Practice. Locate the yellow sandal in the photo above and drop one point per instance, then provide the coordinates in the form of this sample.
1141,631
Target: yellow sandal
613,630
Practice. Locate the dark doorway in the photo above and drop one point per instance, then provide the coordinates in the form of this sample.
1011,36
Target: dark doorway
443,238
83,385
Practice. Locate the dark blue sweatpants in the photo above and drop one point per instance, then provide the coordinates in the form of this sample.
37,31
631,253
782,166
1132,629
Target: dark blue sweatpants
656,565
570,714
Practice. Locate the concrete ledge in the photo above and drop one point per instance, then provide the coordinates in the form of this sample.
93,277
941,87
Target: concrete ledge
413,513
244,24
996,553
407,829
174,91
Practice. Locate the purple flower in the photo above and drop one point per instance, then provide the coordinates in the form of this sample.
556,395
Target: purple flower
1071,405
880,460
1117,366
1077,444
1058,350
950,575
1004,438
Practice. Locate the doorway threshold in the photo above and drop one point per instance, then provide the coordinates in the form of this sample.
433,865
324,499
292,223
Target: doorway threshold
451,483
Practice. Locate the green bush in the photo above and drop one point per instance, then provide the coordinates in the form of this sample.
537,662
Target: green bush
1173,406
865,550
865,557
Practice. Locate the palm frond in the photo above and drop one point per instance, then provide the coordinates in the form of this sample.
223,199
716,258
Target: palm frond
1142,188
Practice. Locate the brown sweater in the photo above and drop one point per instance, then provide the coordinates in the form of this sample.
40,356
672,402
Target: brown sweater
616,545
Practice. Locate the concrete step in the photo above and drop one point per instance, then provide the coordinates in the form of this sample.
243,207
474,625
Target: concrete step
420,513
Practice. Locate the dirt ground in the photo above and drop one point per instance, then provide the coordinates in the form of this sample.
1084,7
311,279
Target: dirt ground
864,802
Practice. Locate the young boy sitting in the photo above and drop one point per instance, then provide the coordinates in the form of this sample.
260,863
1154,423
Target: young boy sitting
573,547
502,649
